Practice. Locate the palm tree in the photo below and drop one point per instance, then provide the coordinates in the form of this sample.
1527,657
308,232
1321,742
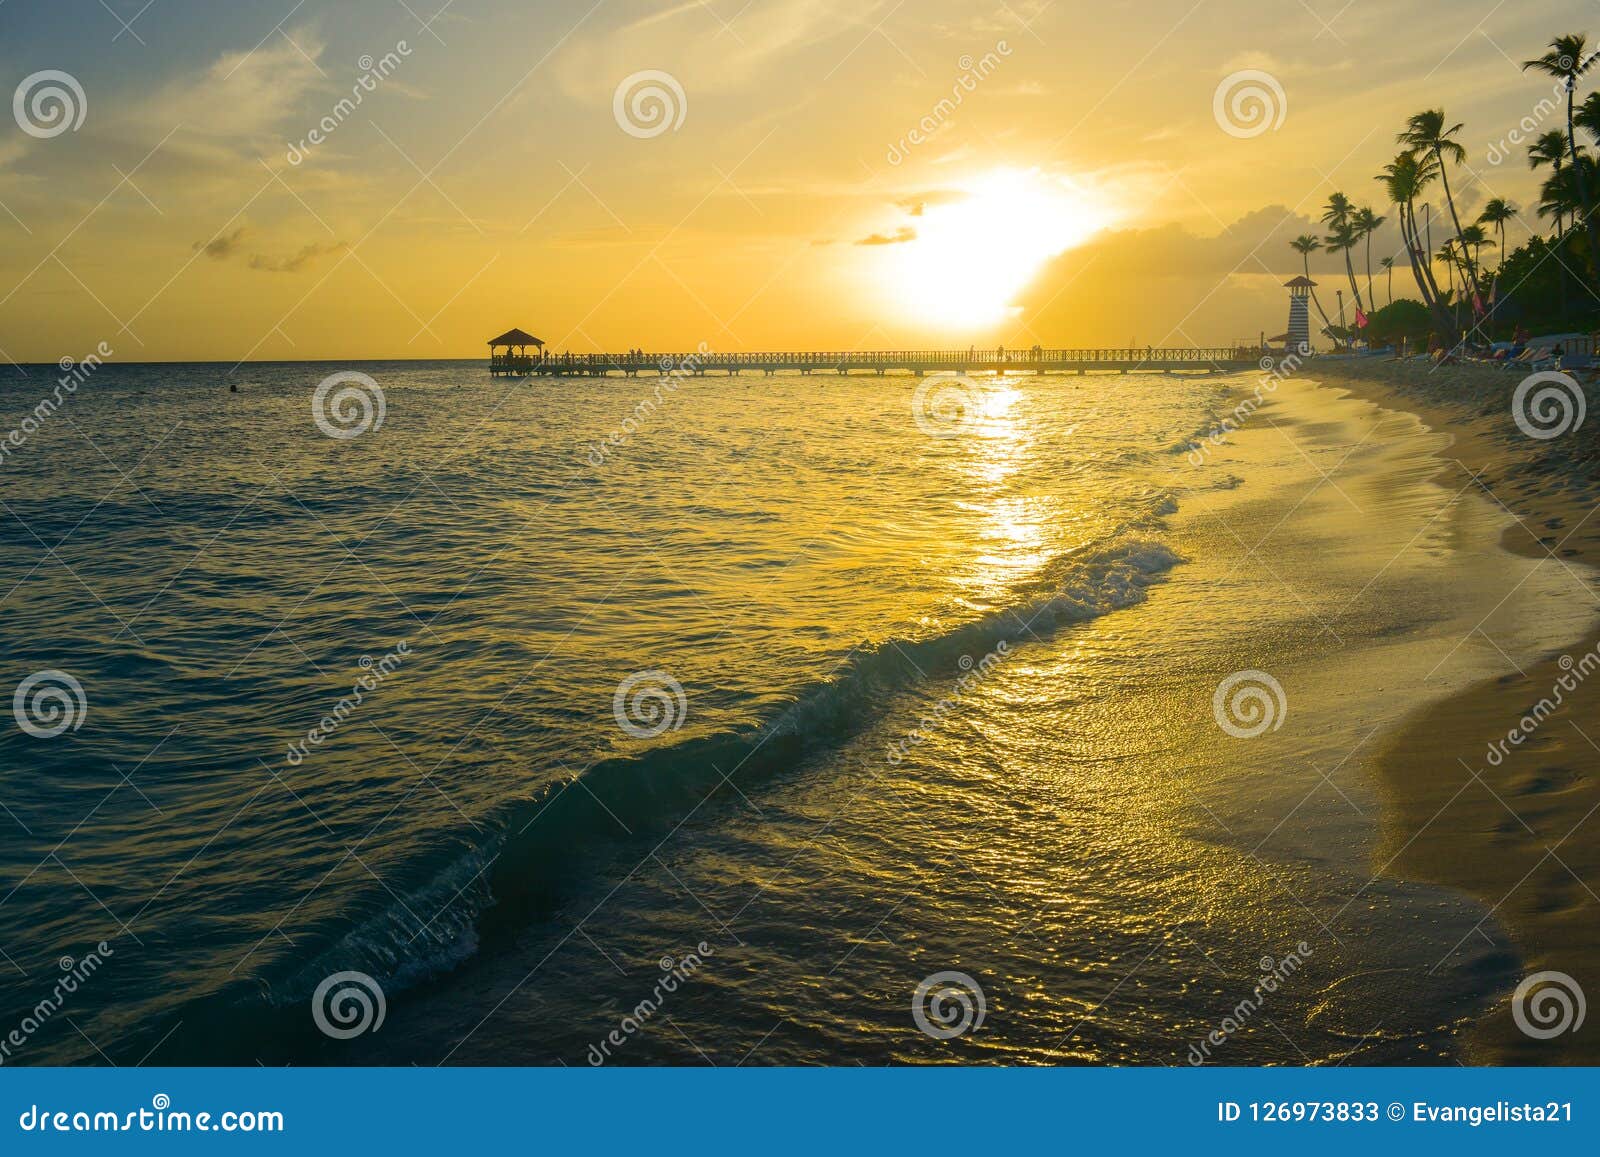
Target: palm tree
1567,59
1426,132
1447,254
1474,238
1366,223
1587,117
1306,245
1340,218
1387,265
1404,179
1549,149
1495,214
1561,194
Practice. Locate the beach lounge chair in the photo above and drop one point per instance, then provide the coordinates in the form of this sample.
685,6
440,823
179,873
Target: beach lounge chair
1526,359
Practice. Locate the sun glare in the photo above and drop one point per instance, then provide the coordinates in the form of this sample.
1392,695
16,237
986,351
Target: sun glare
971,256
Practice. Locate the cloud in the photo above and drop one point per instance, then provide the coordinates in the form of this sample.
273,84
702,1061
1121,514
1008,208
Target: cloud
241,106
707,52
223,245
899,236
306,255
1170,285
915,204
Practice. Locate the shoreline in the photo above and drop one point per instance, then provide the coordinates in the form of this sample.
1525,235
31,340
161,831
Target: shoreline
1509,822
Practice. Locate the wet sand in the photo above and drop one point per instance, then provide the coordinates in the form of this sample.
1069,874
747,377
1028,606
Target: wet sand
1514,825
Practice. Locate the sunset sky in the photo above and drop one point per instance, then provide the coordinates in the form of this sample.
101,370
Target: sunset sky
1082,193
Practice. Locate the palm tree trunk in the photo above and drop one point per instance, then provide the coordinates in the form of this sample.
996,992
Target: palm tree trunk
1459,254
1370,295
1350,272
1422,270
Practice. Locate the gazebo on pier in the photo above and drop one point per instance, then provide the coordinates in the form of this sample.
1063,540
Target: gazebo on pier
515,358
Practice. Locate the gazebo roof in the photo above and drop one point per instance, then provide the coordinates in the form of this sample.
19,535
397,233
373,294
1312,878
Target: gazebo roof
1301,282
515,337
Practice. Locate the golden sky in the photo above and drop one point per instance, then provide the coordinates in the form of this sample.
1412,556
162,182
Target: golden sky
818,173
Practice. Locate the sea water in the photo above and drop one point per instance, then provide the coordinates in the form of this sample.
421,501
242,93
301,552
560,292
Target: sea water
879,716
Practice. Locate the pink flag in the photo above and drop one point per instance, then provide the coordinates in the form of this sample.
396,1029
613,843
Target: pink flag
1361,319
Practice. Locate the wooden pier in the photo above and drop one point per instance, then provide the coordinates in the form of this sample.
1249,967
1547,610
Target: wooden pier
1230,359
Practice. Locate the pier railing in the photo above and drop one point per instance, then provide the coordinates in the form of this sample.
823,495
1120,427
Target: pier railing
1039,360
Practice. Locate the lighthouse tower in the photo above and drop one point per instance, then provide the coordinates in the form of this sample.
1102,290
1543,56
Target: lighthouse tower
1298,336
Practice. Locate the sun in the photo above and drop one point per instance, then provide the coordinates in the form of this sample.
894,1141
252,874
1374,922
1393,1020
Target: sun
971,255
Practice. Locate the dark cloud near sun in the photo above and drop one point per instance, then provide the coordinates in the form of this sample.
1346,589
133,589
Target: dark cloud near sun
223,245
898,237
917,204
297,262
1170,284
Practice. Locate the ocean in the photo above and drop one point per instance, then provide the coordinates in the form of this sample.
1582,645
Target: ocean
760,720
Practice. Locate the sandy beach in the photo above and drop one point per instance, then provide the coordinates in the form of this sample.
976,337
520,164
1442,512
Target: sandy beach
1508,821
